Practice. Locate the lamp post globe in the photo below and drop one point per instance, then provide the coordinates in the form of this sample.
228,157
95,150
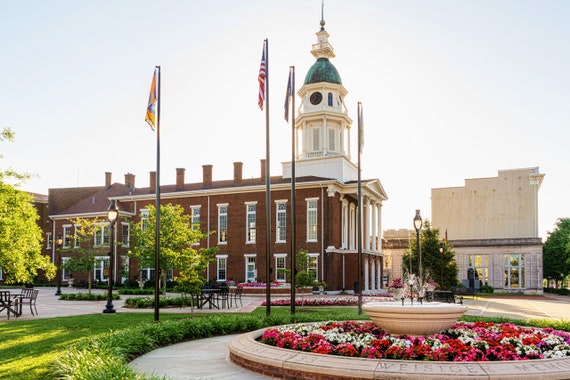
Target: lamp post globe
112,214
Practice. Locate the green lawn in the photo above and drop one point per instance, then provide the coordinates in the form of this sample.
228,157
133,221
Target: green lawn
28,347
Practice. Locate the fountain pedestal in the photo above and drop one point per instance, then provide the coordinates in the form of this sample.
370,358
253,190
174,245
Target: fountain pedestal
418,319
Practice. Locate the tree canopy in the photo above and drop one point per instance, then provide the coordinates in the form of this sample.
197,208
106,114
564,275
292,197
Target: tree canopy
556,251
83,249
177,251
20,236
438,266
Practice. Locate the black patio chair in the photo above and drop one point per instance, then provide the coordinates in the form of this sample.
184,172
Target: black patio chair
236,295
223,296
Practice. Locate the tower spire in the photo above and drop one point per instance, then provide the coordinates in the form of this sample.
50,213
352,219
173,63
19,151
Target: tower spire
322,49
322,15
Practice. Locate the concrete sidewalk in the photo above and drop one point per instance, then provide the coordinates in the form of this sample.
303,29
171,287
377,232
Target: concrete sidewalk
50,306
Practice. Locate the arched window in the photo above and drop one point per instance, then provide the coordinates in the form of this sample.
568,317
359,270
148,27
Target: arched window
330,99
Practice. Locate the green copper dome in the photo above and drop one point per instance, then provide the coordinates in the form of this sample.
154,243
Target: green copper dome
322,71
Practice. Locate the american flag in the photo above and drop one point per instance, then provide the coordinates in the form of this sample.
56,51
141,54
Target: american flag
261,77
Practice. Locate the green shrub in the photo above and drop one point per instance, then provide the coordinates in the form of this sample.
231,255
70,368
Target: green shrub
86,297
136,291
164,302
487,289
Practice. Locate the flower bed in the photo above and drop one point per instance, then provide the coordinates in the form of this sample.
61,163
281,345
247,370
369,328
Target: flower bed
325,301
464,342
275,290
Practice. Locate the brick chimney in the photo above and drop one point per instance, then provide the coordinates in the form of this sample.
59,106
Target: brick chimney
108,179
238,166
207,175
180,178
263,170
130,180
152,182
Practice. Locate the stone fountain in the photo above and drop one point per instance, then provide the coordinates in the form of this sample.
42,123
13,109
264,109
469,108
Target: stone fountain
409,318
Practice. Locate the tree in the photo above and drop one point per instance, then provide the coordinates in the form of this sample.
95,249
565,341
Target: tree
556,252
20,236
176,251
438,266
83,247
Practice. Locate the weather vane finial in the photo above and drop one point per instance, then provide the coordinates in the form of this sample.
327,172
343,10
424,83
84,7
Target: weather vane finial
322,14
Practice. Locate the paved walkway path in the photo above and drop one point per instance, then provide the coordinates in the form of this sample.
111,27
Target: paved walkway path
208,358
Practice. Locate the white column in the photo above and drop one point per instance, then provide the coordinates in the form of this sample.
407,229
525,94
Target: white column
366,276
379,217
372,270
367,216
374,217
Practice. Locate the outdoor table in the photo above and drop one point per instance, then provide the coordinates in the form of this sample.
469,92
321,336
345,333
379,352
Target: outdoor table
208,297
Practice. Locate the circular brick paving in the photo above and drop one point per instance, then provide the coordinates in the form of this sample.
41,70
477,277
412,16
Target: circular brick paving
247,352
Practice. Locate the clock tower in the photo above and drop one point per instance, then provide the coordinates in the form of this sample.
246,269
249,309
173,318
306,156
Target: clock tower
322,124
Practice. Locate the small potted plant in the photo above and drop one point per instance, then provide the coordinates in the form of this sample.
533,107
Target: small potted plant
321,285
397,288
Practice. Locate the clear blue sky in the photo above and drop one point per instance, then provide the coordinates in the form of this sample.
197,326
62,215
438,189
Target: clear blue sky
451,89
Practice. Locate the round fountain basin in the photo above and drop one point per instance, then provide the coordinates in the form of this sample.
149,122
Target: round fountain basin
417,319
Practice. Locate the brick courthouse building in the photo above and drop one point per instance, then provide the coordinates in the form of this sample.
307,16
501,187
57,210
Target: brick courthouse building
235,209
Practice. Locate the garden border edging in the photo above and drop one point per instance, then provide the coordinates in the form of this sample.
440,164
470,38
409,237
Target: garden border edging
245,351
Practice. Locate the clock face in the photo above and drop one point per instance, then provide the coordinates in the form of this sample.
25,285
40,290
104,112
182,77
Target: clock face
316,98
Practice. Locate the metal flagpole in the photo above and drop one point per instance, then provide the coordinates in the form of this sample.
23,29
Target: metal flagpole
359,233
293,198
267,188
157,213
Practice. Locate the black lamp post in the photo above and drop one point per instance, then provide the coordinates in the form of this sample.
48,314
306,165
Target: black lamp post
418,227
112,214
441,246
59,243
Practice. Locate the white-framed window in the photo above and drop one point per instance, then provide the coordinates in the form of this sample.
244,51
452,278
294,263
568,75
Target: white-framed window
250,268
102,233
125,234
222,267
313,264
222,223
76,242
514,271
332,142
281,221
65,273
280,266
67,236
145,215
316,135
146,274
250,222
49,240
101,269
480,265
312,221
195,215
125,264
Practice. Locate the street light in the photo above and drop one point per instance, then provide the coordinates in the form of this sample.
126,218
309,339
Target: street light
59,243
112,214
418,227
441,246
